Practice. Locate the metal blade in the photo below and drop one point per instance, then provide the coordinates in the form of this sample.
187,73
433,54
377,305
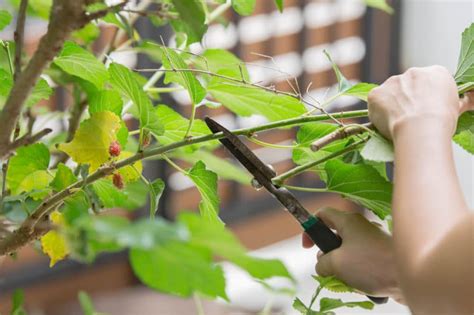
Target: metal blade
242,153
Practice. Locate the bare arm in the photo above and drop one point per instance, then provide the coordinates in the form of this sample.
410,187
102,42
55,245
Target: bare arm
429,262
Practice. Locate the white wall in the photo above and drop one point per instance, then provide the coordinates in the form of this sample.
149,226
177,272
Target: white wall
431,35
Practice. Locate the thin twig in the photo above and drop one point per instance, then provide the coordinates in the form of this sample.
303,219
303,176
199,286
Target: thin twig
339,134
19,37
29,139
279,180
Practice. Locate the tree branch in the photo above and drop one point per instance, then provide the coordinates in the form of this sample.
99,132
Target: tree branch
341,133
19,37
65,17
279,180
28,232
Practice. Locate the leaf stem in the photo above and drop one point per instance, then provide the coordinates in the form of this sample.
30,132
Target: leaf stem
270,145
167,89
278,180
305,189
173,164
198,302
191,121
218,11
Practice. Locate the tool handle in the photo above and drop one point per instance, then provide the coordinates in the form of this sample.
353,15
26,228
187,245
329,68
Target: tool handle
327,240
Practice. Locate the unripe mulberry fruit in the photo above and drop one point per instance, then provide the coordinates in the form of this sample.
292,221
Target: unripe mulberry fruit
117,180
114,149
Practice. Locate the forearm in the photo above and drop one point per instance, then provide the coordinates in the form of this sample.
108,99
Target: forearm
428,206
427,198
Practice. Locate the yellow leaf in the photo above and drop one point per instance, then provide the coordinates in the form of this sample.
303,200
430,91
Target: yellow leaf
132,172
92,140
53,243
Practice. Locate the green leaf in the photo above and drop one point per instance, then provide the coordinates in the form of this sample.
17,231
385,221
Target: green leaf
247,101
86,304
223,61
192,19
465,69
175,126
360,183
464,135
79,62
172,60
27,160
124,81
299,306
244,7
5,19
223,168
36,184
86,35
279,4
91,142
63,178
131,197
378,149
18,298
379,4
206,183
179,269
156,190
360,90
326,304
40,91
224,244
333,284
106,100
344,84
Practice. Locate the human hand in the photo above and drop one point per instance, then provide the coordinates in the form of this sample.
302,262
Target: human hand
467,101
420,96
365,260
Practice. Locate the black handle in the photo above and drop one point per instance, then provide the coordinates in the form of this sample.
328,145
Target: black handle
327,240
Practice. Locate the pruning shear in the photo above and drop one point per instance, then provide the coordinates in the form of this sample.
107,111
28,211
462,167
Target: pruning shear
321,235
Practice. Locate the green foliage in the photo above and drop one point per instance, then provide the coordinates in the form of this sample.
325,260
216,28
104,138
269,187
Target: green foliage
465,69
40,91
125,82
246,101
332,284
105,100
28,160
279,4
206,183
378,149
79,62
86,304
379,4
156,190
18,299
5,19
172,61
192,18
361,184
244,7
465,132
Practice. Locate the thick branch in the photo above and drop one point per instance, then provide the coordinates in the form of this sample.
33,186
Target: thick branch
344,132
66,16
18,36
27,232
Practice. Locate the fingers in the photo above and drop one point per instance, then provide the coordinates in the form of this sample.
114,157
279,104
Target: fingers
307,242
335,219
325,265
467,102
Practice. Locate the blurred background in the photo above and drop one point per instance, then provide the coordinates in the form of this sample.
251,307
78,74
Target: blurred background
368,45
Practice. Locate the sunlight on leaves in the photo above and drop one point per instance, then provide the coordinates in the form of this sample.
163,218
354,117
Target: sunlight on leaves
53,243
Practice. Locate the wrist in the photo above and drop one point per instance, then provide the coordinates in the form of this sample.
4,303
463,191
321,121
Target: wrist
423,128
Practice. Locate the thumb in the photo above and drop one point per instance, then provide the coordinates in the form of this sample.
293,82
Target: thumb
333,218
466,102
